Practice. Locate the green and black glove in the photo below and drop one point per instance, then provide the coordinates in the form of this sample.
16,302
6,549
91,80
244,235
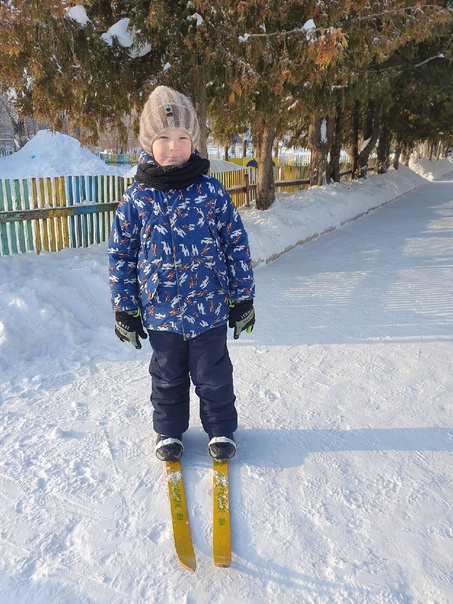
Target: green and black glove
129,328
242,317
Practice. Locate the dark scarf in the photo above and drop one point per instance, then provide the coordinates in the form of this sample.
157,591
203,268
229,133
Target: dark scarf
165,178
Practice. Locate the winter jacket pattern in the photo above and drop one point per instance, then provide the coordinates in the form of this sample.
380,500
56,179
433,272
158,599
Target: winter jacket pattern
179,255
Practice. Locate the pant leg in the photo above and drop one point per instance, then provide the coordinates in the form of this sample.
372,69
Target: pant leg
212,374
170,383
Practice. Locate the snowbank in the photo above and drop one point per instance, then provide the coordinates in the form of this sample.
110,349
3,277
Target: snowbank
50,154
220,165
296,218
431,169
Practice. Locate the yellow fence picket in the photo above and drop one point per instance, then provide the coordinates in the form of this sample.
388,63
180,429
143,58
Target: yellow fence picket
34,205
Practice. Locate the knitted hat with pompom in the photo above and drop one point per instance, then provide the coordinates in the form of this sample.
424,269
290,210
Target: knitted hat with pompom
166,108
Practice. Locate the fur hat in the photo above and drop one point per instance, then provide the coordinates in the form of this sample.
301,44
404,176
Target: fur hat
166,108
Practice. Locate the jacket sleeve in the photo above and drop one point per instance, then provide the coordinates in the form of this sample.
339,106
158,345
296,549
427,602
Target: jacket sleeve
123,251
235,244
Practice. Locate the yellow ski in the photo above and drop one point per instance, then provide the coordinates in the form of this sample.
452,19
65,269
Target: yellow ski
179,516
221,535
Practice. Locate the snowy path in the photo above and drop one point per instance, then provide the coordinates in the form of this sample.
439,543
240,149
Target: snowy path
342,487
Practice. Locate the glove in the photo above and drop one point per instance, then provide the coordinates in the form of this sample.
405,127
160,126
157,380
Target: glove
128,327
242,317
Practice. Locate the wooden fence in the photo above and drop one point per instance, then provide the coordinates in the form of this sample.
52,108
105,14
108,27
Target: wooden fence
54,213
119,159
51,214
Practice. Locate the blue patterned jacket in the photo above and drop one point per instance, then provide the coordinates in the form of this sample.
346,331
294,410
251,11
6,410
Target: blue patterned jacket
179,255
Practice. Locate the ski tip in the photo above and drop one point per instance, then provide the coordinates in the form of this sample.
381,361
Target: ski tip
190,566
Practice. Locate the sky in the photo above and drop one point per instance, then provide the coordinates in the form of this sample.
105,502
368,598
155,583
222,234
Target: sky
341,488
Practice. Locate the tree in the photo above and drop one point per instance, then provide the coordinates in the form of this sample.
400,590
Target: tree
355,91
273,49
386,28
278,68
62,69
422,93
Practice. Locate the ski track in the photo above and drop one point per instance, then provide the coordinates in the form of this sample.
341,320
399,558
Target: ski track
341,491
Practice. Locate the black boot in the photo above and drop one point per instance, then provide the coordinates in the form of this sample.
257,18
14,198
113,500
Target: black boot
222,447
169,448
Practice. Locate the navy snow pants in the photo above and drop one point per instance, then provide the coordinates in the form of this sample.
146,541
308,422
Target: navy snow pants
206,361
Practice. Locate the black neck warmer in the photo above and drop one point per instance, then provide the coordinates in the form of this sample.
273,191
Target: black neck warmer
165,178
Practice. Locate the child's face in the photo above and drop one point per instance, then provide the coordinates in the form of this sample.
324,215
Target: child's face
172,147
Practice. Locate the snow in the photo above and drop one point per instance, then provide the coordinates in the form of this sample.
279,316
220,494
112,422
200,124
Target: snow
341,489
310,30
54,154
425,168
126,37
220,165
323,131
78,13
274,232
308,26
196,17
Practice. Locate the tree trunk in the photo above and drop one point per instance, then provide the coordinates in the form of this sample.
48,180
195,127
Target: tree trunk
199,101
333,170
438,150
355,127
383,149
20,137
370,116
320,134
265,185
405,154
396,159
370,136
364,155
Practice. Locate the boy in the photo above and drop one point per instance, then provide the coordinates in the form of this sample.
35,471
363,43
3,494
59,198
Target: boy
180,267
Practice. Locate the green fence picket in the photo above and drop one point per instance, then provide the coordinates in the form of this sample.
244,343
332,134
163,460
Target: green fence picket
12,227
3,226
17,205
77,200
